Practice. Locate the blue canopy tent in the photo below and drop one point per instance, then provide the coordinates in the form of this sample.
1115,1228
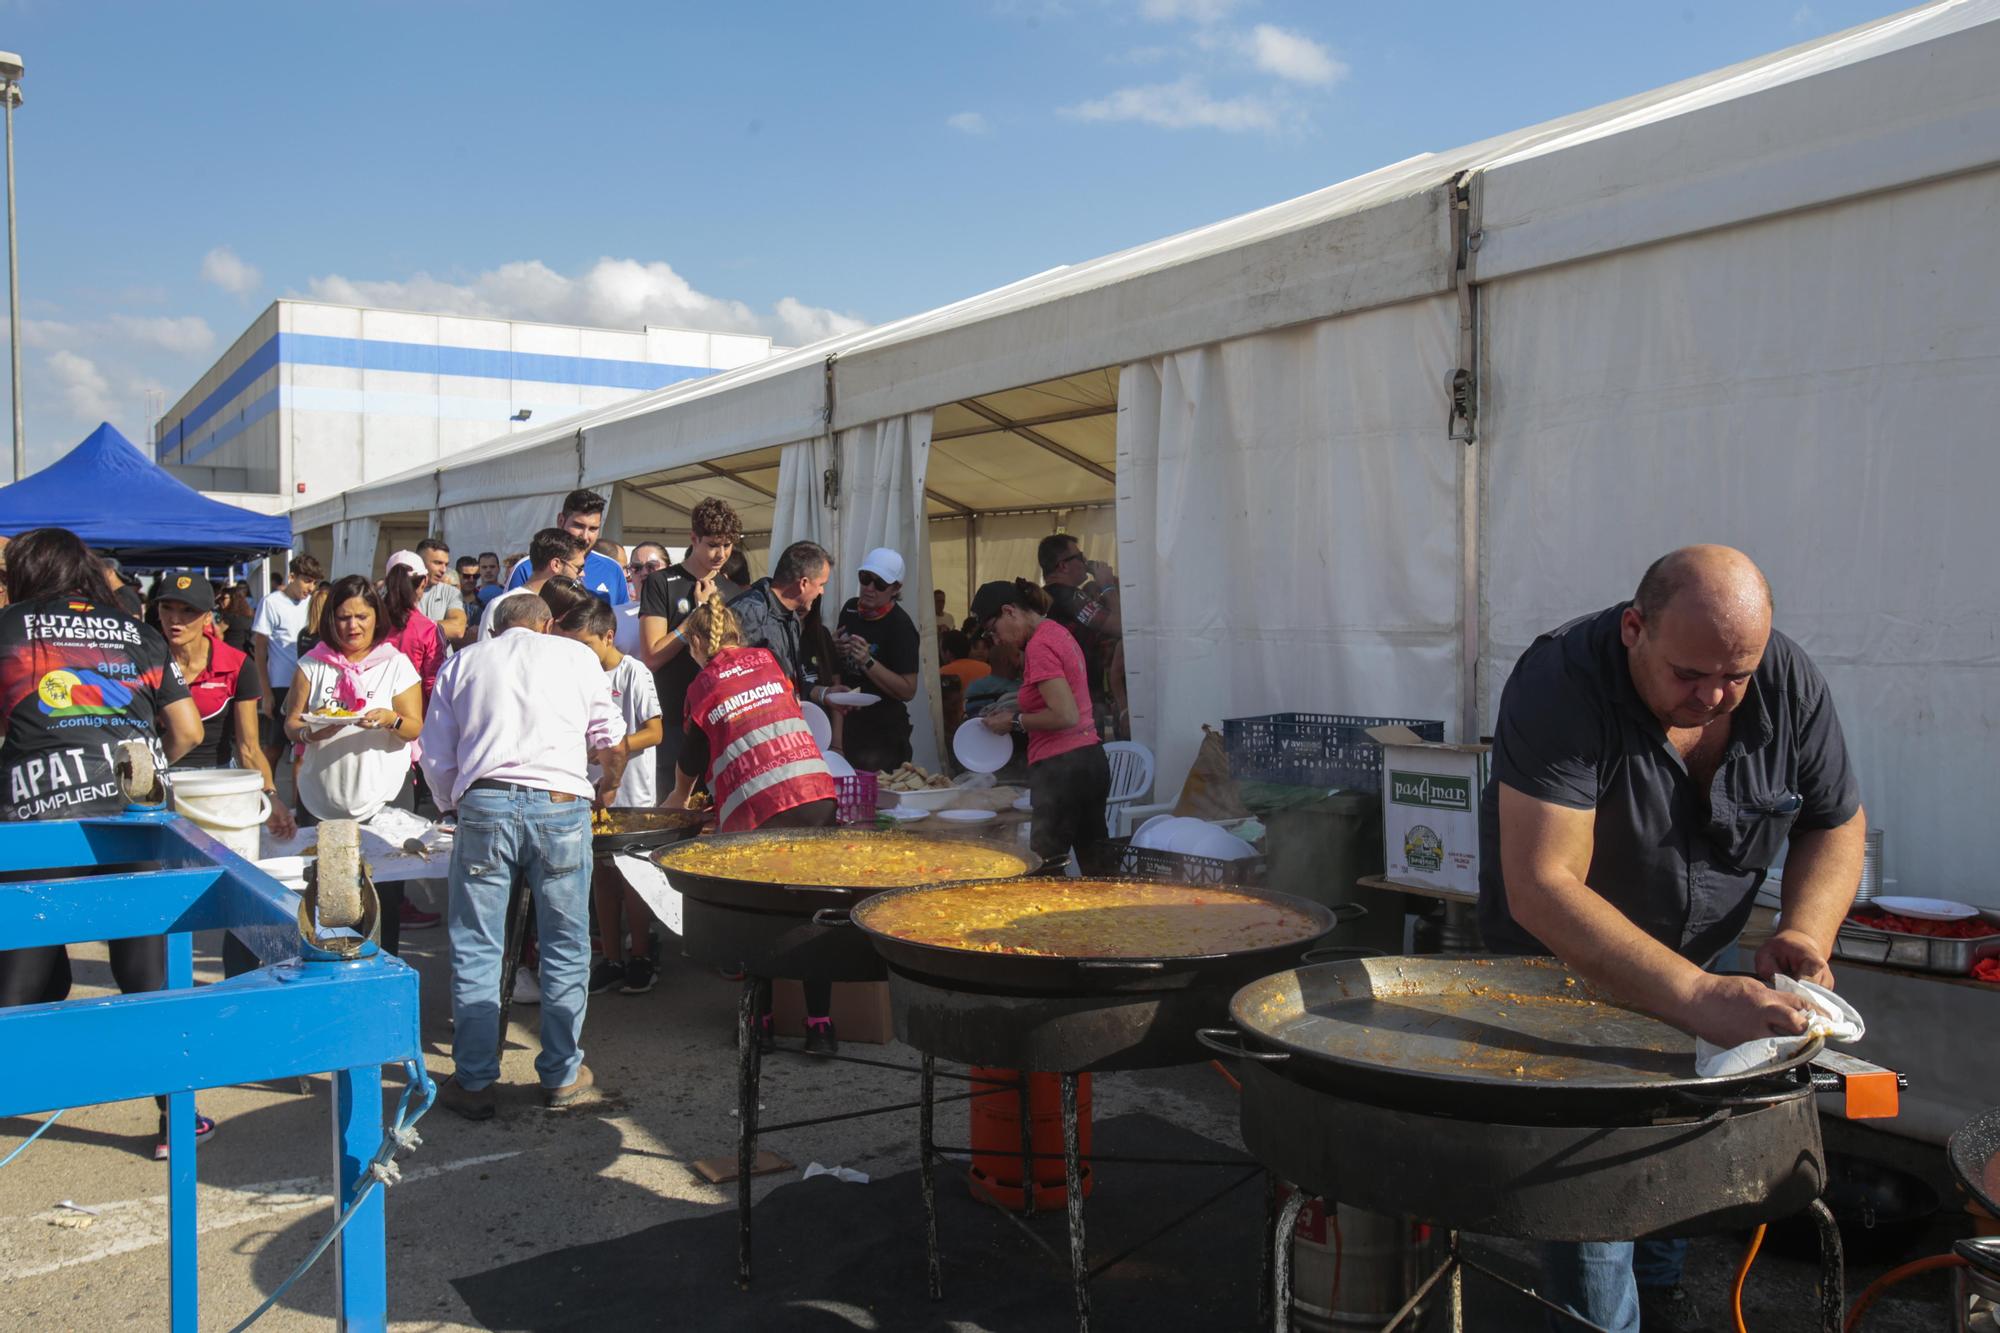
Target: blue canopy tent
123,505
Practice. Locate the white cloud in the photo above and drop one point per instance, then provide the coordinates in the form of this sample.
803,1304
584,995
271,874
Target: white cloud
612,293
1182,105
187,335
1293,56
799,323
1196,11
225,269
967,122
85,391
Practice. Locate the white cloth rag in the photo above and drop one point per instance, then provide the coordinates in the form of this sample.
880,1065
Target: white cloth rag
1832,1018
844,1173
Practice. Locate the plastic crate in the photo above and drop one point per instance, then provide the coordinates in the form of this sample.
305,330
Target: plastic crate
855,798
1313,749
1117,856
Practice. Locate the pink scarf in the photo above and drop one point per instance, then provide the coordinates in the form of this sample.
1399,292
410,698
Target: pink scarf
347,690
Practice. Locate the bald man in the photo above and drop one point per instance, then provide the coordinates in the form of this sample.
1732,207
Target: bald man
1650,762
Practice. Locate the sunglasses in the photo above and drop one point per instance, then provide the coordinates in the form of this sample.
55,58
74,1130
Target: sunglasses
870,581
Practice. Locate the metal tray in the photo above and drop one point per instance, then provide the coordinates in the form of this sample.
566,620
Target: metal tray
1919,953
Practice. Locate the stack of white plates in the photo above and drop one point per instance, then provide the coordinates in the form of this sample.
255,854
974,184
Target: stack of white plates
1191,837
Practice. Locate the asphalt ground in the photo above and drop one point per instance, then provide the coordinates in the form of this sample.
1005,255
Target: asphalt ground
599,1207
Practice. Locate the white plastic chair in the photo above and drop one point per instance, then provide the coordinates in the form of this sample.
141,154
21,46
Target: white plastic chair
1131,778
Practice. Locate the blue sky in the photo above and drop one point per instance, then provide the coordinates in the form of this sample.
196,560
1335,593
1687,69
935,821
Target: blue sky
795,169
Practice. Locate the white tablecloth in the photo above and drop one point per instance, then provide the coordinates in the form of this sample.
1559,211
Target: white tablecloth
383,840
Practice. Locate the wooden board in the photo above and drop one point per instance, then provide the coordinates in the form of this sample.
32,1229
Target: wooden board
722,1170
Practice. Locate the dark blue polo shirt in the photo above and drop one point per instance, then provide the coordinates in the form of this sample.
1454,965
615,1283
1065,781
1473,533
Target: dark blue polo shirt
1684,864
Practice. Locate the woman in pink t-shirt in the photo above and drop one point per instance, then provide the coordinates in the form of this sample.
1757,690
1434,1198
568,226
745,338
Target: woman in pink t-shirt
1068,774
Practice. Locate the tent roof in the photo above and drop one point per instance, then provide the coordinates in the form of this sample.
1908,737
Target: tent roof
123,504
1898,100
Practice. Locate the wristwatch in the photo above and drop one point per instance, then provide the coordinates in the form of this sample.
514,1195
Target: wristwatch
1020,727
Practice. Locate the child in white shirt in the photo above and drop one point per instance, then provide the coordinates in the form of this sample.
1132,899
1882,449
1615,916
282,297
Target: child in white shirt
619,910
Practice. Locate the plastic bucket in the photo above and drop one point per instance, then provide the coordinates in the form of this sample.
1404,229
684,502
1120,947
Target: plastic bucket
228,804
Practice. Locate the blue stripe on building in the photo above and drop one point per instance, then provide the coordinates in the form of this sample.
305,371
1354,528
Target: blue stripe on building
312,349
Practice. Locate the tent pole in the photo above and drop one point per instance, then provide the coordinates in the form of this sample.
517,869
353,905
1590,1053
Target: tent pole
1462,426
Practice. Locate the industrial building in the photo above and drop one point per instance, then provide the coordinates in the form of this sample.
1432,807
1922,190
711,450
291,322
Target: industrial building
315,398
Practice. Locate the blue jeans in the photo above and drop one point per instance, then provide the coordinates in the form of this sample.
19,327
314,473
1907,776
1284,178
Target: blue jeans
505,836
1600,1279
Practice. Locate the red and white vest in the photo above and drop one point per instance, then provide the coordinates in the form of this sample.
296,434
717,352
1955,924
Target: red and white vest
762,756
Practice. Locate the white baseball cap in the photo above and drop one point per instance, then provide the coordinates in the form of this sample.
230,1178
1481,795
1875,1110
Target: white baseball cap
409,560
884,564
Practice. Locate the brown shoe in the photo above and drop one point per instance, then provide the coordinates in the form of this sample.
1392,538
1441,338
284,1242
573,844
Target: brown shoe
454,1096
572,1090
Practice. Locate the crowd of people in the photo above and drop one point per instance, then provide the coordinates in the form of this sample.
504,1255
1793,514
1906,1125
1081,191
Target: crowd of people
512,695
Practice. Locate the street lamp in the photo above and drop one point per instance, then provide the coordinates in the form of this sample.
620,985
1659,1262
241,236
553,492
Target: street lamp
10,90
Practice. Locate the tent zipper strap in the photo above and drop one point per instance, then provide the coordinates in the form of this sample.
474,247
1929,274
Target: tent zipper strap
1462,385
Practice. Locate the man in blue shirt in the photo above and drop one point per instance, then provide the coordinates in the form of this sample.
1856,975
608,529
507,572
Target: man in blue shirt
582,517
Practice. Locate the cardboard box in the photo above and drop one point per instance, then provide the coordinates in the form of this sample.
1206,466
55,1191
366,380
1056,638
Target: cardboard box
860,1011
1430,809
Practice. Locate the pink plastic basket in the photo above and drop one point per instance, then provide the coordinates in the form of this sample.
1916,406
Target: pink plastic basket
855,798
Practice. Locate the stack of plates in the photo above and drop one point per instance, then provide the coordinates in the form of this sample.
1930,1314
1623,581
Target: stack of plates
1871,868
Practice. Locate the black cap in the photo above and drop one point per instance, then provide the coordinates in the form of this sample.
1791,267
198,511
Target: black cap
190,589
993,598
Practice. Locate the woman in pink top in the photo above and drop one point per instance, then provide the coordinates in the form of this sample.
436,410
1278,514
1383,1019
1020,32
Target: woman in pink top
415,634
1068,775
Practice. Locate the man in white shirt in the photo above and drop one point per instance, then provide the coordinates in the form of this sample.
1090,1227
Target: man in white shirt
513,722
280,619
553,551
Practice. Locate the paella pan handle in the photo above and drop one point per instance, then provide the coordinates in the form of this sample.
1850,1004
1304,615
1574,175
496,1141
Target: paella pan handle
1120,965
1346,912
1339,953
832,916
1229,1042
1763,1093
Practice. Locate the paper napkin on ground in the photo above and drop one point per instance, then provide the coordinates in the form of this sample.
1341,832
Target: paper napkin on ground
1833,1018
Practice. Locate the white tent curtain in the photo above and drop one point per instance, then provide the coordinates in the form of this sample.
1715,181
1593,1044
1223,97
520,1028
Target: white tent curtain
882,467
354,546
1288,528
500,526
799,513
1820,391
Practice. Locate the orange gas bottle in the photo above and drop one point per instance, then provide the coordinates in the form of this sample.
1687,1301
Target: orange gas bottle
996,1137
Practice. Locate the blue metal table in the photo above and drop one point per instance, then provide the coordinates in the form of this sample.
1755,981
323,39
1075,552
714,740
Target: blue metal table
304,1011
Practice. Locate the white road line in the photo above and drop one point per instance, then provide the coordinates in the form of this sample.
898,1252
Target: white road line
135,1224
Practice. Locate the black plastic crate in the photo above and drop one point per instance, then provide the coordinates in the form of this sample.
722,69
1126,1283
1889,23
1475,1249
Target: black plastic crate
1119,857
1313,749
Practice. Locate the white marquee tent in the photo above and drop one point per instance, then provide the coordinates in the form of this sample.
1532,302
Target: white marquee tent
1357,449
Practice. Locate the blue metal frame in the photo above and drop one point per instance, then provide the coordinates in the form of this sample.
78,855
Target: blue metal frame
294,1015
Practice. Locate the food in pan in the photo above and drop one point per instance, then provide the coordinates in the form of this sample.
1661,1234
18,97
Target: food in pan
863,861
1070,918
641,821
1972,928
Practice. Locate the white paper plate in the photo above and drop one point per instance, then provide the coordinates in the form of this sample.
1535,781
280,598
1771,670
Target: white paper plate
1926,909
1027,801
836,764
903,814
819,723
326,720
852,698
930,798
981,750
966,816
